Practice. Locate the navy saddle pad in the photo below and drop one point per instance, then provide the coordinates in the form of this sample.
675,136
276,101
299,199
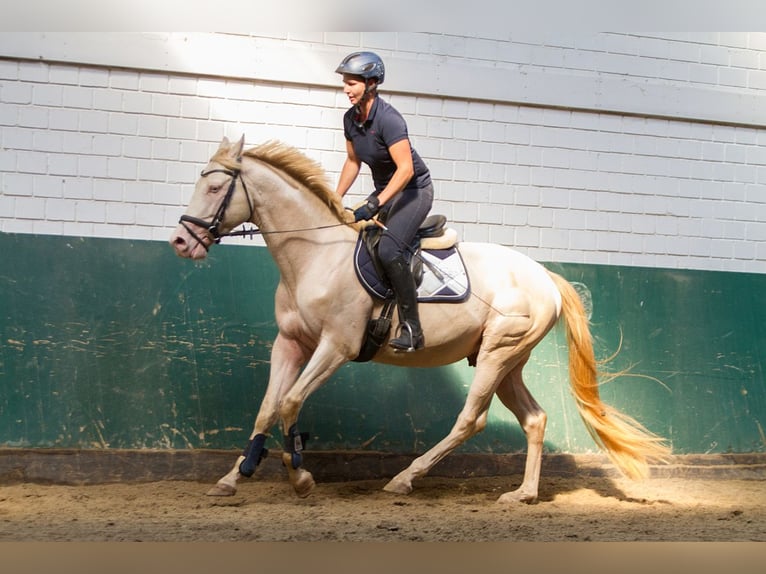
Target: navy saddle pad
444,278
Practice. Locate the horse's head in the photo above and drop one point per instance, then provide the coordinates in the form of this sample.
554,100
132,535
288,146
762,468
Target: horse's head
220,202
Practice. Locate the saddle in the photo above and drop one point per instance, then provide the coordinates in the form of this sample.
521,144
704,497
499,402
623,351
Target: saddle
436,266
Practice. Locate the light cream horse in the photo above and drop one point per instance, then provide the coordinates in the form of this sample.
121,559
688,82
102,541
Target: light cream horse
322,313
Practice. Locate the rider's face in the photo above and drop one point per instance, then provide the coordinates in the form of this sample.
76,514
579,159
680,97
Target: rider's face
353,87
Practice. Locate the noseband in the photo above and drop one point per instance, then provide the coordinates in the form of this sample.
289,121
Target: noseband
213,227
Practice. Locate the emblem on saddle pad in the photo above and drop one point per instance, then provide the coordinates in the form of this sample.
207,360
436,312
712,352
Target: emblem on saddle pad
436,263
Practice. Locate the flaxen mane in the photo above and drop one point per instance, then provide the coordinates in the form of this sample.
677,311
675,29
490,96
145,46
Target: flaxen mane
298,166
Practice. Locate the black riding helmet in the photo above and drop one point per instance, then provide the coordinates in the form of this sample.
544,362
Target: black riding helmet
368,65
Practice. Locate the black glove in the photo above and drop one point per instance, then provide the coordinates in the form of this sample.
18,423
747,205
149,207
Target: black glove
368,210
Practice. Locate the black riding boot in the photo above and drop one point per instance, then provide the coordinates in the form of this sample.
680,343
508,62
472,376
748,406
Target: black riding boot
410,334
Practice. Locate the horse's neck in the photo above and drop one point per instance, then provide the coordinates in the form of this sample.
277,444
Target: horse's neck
310,246
300,231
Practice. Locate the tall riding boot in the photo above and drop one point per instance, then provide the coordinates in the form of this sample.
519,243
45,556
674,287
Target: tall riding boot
410,334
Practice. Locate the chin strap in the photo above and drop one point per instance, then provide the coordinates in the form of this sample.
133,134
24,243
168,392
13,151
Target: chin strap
369,88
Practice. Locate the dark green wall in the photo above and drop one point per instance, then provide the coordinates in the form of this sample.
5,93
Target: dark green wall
120,344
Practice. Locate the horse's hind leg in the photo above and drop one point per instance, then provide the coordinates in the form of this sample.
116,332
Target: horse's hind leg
515,395
472,420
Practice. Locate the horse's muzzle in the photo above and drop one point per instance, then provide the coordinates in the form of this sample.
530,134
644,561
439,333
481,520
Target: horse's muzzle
188,245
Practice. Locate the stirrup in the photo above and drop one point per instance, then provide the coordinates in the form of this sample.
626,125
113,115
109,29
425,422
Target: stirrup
407,342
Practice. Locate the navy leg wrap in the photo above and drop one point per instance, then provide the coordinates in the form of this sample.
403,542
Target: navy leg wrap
294,442
254,453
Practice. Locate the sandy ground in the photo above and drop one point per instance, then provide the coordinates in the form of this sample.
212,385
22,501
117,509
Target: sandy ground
439,510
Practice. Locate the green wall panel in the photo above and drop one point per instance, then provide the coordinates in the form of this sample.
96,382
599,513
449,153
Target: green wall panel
108,343
122,344
695,341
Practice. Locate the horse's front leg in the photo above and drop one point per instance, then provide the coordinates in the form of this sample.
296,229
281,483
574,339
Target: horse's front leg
287,358
327,358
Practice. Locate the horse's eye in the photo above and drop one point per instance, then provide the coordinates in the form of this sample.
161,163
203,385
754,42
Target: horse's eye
214,188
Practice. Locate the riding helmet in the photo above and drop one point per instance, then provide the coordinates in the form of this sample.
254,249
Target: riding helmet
365,64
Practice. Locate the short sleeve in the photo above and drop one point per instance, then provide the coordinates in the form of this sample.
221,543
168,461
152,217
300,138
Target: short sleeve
393,128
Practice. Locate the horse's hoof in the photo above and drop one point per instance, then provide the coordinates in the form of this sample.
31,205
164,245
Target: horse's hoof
222,489
304,485
304,490
398,487
516,497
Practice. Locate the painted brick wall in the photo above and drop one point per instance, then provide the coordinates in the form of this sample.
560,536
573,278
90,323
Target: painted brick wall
593,148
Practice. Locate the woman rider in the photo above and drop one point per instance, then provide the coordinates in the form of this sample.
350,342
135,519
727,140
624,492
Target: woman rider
376,134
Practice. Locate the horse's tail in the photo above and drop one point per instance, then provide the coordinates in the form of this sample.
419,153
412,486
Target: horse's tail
629,445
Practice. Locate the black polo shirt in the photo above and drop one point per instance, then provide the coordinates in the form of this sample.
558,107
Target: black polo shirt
384,127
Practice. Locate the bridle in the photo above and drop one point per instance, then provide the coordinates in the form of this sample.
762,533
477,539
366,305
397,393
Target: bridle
213,227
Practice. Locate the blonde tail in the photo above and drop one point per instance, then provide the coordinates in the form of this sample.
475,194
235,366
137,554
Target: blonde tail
629,445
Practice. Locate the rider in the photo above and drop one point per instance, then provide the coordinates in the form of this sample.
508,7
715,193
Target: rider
376,134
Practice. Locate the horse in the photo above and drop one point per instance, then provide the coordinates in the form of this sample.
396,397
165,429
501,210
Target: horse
322,312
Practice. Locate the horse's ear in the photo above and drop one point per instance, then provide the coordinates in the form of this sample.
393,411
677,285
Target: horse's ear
236,151
233,151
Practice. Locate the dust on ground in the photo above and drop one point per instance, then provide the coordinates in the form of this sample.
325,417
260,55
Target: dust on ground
439,510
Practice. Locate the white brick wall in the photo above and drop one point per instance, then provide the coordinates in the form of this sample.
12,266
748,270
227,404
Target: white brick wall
597,148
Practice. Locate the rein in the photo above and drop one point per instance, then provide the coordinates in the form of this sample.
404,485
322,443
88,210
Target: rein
255,231
213,227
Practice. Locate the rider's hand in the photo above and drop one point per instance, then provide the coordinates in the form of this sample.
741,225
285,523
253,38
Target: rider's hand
368,209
